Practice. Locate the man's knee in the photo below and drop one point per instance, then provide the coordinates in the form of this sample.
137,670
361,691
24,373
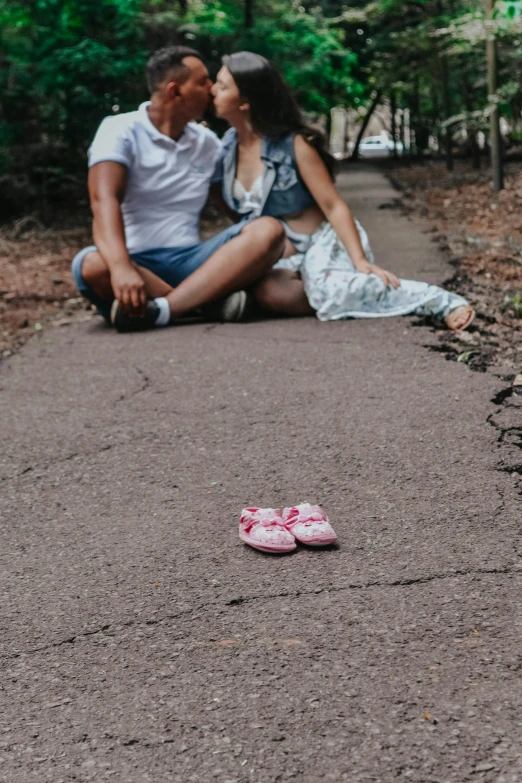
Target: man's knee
94,268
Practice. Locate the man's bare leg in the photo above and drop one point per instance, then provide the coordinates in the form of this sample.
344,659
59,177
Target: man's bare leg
282,291
96,274
238,263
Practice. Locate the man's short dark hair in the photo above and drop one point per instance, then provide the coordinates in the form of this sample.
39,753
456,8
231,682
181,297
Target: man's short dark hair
170,58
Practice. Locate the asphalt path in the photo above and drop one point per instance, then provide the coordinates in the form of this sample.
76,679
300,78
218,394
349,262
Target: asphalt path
141,641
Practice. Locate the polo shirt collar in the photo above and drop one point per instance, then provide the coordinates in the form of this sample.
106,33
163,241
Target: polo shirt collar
151,129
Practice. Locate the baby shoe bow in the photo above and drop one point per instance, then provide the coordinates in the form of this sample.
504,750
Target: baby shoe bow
309,524
264,529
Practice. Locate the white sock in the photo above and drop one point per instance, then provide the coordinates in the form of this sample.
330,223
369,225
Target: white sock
163,318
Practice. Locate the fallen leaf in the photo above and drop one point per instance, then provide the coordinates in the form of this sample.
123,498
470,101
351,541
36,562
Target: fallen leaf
466,356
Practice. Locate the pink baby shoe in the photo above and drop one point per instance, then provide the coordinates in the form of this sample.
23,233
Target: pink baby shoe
309,524
264,529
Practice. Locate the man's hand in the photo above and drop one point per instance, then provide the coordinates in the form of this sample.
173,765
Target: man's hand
388,278
129,289
107,187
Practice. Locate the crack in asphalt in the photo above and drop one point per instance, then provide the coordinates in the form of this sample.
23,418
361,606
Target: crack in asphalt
57,461
502,505
102,629
146,382
505,465
68,457
503,430
240,600
517,468
145,385
378,583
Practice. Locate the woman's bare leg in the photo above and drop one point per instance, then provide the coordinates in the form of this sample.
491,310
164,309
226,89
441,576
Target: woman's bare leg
282,291
237,264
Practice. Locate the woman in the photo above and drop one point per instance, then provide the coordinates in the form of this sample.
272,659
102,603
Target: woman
275,164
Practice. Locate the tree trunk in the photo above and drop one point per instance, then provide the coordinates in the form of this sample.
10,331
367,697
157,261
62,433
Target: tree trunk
494,115
355,151
446,98
249,13
474,149
415,118
435,114
393,109
448,136
402,128
475,152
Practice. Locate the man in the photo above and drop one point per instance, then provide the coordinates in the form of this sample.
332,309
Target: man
149,176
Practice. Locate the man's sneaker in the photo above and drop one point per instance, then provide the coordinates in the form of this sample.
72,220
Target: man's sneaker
132,323
232,308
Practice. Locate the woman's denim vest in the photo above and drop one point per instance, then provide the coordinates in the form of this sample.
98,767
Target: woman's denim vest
284,192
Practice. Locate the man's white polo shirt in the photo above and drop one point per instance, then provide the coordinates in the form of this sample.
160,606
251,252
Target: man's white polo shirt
168,181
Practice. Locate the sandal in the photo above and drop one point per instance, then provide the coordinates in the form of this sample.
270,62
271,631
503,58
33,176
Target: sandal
309,524
457,311
263,529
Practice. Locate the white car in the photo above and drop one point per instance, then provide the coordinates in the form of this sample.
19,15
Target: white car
378,146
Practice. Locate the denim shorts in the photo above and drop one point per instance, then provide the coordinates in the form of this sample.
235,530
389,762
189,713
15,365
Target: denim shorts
170,264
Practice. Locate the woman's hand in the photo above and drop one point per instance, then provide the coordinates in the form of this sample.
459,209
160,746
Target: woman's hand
388,278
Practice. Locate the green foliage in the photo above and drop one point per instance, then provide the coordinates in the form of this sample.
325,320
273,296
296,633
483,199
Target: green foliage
65,64
515,304
309,50
68,63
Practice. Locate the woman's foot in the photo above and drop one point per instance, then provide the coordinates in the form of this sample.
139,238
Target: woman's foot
460,318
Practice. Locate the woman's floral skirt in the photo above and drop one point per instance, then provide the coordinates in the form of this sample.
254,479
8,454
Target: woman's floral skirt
336,290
